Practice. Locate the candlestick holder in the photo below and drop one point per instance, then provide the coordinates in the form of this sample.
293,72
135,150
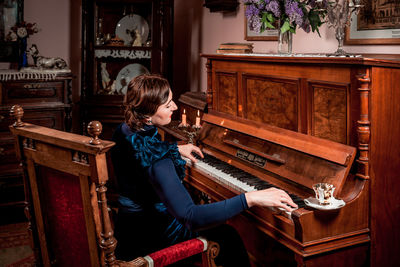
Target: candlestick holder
191,137
182,124
339,16
191,134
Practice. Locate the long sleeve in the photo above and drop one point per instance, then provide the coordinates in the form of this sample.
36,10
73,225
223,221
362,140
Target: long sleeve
174,195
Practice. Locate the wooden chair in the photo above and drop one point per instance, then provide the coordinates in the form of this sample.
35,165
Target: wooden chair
65,179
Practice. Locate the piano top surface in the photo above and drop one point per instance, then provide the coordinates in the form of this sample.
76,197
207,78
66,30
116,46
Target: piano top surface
384,60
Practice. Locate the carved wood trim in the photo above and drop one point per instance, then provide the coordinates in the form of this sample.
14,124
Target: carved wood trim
80,157
363,128
209,85
68,107
29,143
210,254
107,240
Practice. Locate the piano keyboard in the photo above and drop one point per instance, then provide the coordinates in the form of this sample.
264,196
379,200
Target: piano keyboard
235,178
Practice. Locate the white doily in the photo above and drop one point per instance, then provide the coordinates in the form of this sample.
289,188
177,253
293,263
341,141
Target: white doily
30,73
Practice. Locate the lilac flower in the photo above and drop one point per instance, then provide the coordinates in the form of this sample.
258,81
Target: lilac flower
252,11
294,12
274,7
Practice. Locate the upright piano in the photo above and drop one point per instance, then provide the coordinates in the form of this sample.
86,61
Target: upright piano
291,122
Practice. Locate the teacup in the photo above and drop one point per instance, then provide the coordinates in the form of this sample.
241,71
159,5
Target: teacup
324,193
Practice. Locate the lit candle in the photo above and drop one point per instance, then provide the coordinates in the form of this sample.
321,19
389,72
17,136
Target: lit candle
184,117
198,119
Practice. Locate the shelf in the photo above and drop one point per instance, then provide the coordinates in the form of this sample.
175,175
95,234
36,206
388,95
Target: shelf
123,47
123,52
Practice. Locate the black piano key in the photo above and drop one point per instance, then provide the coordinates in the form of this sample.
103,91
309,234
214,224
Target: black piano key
244,176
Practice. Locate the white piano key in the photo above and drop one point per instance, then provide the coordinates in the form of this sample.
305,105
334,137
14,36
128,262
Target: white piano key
230,181
222,177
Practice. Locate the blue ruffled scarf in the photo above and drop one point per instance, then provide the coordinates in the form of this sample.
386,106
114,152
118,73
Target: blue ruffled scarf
149,149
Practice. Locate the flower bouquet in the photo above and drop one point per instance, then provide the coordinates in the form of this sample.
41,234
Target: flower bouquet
22,30
285,15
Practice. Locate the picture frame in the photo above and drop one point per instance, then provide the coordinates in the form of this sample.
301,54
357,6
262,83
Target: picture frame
371,33
267,35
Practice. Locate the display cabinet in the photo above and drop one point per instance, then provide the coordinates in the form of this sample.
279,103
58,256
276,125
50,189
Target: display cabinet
121,39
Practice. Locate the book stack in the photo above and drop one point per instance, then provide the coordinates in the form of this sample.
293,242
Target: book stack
241,48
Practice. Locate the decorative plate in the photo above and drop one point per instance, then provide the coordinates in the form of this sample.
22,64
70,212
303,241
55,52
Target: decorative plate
126,74
313,202
133,29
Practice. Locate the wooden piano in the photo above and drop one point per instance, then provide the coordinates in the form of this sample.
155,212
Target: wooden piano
290,122
242,156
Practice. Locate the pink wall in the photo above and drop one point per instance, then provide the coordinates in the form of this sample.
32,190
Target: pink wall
54,21
59,22
196,30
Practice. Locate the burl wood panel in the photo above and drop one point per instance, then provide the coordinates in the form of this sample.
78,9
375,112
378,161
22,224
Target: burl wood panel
272,101
227,97
329,112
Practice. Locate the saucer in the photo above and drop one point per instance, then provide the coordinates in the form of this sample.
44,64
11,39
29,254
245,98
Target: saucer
313,202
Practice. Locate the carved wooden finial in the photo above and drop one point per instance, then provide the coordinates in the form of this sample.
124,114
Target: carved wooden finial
17,112
94,128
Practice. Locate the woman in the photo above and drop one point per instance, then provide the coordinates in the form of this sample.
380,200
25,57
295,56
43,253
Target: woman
155,209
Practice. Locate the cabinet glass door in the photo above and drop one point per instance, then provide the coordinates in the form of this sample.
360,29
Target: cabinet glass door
122,44
10,13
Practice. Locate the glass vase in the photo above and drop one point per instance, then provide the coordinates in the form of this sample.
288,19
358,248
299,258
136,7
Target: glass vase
285,42
22,57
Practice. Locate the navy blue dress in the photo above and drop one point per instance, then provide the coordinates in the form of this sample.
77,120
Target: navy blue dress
155,208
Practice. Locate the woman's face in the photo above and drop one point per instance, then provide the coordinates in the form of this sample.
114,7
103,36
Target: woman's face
164,112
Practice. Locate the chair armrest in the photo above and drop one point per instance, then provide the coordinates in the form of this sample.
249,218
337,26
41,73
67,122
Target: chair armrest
176,253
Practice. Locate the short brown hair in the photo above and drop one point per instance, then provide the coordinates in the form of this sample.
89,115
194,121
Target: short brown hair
145,94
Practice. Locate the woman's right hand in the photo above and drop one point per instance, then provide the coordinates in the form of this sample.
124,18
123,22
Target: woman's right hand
188,149
271,197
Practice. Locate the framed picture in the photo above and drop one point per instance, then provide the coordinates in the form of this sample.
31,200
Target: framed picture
377,23
267,35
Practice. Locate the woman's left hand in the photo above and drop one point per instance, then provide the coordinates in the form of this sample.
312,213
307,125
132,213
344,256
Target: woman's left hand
186,151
